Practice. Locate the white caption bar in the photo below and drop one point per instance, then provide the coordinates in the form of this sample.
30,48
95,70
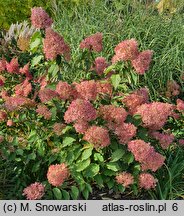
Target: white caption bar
92,207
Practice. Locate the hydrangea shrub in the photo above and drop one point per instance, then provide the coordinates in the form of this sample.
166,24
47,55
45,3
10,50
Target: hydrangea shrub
64,138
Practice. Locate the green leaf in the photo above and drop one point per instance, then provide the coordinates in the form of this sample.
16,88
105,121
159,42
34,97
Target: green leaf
70,157
85,193
88,186
18,159
57,193
128,158
74,192
52,158
113,166
66,129
19,152
92,170
110,184
68,141
99,180
53,70
115,79
32,156
35,43
54,112
66,195
121,188
36,60
143,134
41,147
134,78
82,165
109,172
135,190
98,157
86,153
36,166
117,154
136,169
109,69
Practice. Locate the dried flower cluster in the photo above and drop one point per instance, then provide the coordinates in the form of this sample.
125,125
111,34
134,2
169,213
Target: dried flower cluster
135,99
81,126
154,115
57,174
64,90
43,111
54,45
87,90
114,114
142,62
98,136
146,155
39,18
93,43
125,132
100,65
80,109
173,89
128,50
46,94
34,191
13,66
164,139
24,88
125,179
147,181
180,105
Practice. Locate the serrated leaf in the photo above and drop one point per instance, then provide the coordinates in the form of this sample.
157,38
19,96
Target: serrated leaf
66,195
86,153
92,170
36,166
121,188
70,157
32,136
35,43
88,186
85,193
54,112
53,70
36,60
74,192
113,166
67,141
128,158
115,79
135,190
110,184
99,180
109,172
117,154
82,165
52,158
109,69
98,157
57,193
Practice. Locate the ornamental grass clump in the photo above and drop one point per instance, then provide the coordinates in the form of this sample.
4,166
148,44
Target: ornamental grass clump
72,137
